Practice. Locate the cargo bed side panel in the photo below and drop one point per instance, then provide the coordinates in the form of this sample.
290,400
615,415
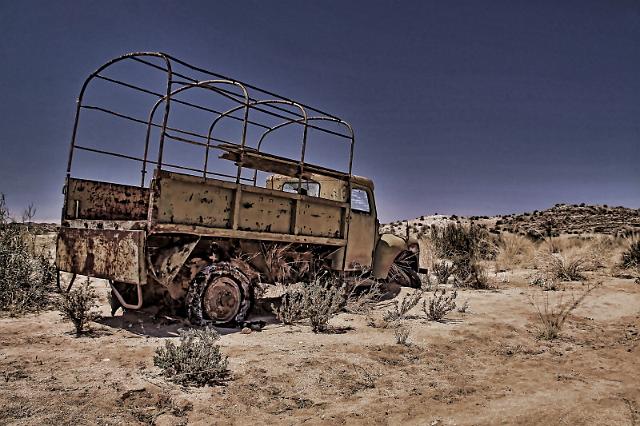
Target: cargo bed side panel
110,254
93,200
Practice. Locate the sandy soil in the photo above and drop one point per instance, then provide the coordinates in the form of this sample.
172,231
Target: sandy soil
485,366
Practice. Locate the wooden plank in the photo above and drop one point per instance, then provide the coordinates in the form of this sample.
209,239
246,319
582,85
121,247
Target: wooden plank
254,159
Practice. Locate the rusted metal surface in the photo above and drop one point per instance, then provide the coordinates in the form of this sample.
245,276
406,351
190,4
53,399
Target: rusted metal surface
210,203
93,200
254,159
362,235
187,201
329,188
244,235
123,302
388,248
221,300
165,264
115,255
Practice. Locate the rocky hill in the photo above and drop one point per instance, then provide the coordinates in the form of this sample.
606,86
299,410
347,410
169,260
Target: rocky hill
573,219
559,219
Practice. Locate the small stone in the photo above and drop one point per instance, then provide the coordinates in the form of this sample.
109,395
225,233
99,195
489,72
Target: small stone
245,330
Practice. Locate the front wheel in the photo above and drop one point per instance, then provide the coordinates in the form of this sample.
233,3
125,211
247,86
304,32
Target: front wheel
403,270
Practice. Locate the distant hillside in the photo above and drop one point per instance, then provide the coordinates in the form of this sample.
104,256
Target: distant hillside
573,219
560,219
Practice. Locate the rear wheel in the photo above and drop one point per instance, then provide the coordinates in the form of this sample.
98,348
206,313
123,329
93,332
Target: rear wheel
220,293
222,299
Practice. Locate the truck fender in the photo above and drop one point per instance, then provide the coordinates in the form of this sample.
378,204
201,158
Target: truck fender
387,250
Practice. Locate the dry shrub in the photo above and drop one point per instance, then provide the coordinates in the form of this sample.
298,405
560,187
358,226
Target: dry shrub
400,310
454,240
513,251
363,297
562,244
286,264
569,258
76,306
465,246
552,317
439,305
364,379
631,256
604,250
562,267
26,277
291,308
324,298
401,333
197,360
442,271
470,273
591,248
546,281
319,301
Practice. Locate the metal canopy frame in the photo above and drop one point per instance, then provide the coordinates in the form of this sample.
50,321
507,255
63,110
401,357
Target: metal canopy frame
251,99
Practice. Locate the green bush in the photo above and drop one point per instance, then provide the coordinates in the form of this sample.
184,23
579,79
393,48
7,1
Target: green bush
197,360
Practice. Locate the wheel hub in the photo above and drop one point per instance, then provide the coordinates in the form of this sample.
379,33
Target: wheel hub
221,301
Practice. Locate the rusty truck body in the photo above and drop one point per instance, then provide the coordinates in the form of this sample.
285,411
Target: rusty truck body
201,239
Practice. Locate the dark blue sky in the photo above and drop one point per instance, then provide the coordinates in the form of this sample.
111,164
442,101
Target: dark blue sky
459,107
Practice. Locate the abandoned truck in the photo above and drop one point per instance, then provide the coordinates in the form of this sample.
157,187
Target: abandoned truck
197,237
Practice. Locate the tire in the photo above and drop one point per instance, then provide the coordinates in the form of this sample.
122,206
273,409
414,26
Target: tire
403,271
219,294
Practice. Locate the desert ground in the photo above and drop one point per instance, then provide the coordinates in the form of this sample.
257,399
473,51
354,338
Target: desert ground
487,365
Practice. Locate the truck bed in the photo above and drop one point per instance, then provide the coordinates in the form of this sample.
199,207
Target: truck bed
112,222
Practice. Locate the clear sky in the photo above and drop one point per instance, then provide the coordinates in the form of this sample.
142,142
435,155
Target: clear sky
459,107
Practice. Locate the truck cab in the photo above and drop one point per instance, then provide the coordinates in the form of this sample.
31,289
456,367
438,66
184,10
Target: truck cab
363,222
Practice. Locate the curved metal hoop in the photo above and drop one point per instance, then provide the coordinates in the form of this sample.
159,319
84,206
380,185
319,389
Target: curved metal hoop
277,107
96,73
286,123
303,121
207,84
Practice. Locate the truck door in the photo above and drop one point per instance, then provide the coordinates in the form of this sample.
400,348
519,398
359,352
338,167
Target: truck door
362,229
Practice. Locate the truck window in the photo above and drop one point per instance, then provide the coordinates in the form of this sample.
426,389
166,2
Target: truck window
307,188
360,201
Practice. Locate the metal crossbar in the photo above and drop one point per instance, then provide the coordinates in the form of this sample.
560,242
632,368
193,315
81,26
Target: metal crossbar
249,100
